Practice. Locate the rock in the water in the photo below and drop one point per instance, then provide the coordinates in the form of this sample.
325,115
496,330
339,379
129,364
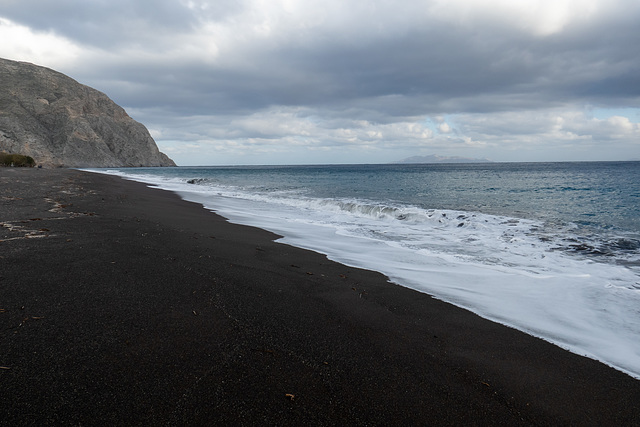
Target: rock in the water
60,122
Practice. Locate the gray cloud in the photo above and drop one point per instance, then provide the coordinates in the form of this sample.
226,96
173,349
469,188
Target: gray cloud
113,24
376,73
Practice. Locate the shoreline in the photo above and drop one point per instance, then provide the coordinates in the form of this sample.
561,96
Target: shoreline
513,270
126,304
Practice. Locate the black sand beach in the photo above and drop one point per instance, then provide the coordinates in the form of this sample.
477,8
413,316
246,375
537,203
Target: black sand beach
124,305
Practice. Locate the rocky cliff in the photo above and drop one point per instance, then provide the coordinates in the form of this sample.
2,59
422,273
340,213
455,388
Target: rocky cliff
60,122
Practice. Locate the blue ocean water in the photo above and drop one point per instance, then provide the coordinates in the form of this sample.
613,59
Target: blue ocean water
552,249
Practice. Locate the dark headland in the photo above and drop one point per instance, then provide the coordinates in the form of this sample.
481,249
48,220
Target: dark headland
125,305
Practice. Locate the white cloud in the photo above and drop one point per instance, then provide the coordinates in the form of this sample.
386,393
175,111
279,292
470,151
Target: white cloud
622,126
554,133
540,17
42,48
294,134
444,128
274,123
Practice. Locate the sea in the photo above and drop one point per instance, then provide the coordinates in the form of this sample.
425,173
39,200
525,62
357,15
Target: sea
551,249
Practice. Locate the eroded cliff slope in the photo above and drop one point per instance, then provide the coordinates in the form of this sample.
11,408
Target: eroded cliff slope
60,122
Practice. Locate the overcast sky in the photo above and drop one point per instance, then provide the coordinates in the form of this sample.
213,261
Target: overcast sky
352,81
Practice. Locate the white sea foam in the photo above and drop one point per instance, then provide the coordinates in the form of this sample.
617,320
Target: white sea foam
514,271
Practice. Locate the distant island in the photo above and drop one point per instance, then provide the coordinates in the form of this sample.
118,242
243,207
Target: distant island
434,158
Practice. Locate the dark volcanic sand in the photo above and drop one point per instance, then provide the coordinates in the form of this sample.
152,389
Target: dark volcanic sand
121,304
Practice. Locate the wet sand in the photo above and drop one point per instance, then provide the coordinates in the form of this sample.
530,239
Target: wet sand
125,305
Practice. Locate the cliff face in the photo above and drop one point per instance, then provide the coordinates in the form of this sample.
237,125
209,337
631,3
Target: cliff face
60,122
